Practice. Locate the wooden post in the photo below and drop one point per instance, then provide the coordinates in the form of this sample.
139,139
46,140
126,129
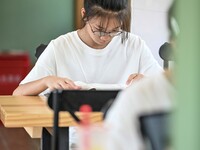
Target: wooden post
78,6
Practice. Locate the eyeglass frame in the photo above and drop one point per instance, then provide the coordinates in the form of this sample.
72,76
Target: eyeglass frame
103,33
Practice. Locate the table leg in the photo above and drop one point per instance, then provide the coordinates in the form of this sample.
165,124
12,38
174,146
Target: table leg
63,139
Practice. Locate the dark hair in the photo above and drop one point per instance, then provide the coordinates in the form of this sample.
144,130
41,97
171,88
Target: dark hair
119,9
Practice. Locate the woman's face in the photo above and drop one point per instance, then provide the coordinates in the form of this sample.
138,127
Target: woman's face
101,31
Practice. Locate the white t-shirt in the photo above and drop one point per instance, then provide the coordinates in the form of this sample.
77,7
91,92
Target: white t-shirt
68,56
152,94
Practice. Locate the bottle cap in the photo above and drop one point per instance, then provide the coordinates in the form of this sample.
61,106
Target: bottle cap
85,109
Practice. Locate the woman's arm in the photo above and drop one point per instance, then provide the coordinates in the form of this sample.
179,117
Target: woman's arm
31,88
49,82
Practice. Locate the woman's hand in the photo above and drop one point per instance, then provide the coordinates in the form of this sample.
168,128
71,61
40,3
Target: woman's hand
134,77
53,82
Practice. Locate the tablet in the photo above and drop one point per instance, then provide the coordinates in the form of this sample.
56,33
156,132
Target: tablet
71,100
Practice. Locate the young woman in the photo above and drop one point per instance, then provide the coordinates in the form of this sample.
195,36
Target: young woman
101,52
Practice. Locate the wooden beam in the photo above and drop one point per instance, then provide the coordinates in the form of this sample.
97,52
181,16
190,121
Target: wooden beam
78,6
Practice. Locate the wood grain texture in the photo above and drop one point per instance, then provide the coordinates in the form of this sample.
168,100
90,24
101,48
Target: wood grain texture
32,113
38,116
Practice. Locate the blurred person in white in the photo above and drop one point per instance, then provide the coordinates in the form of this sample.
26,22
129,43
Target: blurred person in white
151,95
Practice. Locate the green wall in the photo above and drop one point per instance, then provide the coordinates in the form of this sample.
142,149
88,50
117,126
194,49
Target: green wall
25,24
187,116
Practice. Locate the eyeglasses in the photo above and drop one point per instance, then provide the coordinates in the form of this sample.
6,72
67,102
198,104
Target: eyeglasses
103,33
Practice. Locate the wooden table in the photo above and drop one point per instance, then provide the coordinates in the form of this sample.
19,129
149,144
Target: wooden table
32,113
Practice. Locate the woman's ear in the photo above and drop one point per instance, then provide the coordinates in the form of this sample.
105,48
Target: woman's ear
82,12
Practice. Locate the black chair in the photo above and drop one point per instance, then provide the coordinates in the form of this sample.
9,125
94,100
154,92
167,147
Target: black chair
155,130
166,53
39,50
71,100
46,136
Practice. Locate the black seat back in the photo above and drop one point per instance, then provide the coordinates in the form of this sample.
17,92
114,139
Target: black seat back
155,129
39,50
166,53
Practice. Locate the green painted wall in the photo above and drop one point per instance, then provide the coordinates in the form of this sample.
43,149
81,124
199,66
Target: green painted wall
25,24
187,116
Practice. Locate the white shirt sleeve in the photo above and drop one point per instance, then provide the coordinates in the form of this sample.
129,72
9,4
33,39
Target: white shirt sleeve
148,64
44,66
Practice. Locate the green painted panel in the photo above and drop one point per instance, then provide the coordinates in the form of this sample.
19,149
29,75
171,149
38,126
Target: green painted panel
25,24
187,120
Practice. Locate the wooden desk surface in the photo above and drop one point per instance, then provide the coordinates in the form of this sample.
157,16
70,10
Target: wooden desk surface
32,113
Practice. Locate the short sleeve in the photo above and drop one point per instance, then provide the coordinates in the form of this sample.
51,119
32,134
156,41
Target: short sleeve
148,64
45,65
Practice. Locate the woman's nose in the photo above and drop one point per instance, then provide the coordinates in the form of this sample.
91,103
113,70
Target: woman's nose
105,37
